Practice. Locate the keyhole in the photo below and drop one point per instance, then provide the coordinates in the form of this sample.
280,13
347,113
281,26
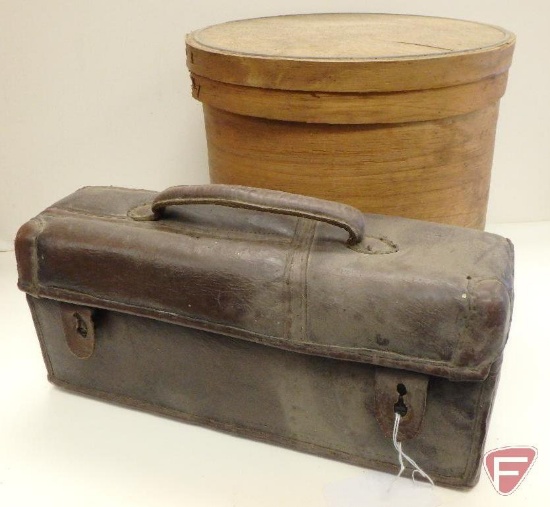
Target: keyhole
400,407
81,327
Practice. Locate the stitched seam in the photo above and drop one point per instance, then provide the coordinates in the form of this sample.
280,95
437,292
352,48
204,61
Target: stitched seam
190,418
475,432
155,406
114,187
182,228
34,252
471,463
465,324
360,248
276,341
40,334
297,330
305,313
288,277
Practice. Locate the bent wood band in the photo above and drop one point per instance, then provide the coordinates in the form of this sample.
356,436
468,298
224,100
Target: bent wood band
392,114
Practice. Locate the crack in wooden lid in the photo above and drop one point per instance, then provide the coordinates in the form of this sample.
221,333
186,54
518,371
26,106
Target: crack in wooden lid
349,52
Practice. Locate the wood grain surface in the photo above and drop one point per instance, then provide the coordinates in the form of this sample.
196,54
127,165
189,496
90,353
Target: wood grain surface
391,114
437,170
350,108
349,52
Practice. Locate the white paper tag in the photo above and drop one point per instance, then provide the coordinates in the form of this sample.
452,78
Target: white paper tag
380,489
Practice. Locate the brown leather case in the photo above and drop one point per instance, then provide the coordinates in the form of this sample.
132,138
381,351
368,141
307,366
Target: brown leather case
274,316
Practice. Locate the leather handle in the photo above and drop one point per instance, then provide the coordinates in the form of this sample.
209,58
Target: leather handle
272,201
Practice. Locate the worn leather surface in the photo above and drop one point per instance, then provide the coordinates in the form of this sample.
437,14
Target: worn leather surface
419,296
184,304
309,403
335,213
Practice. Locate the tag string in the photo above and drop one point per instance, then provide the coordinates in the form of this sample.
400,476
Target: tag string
402,456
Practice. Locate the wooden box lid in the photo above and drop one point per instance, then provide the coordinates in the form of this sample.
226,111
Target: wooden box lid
349,52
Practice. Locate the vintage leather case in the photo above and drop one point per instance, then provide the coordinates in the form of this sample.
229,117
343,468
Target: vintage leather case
291,320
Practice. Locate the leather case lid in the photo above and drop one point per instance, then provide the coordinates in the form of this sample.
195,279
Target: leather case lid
419,296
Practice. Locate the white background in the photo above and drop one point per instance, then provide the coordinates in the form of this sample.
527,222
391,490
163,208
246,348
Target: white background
97,92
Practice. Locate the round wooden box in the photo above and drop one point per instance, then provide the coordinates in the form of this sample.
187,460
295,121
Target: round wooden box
392,114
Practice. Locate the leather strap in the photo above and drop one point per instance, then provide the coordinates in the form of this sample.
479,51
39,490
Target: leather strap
79,329
272,201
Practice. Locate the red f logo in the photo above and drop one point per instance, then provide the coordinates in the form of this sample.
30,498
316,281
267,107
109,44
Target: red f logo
507,466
